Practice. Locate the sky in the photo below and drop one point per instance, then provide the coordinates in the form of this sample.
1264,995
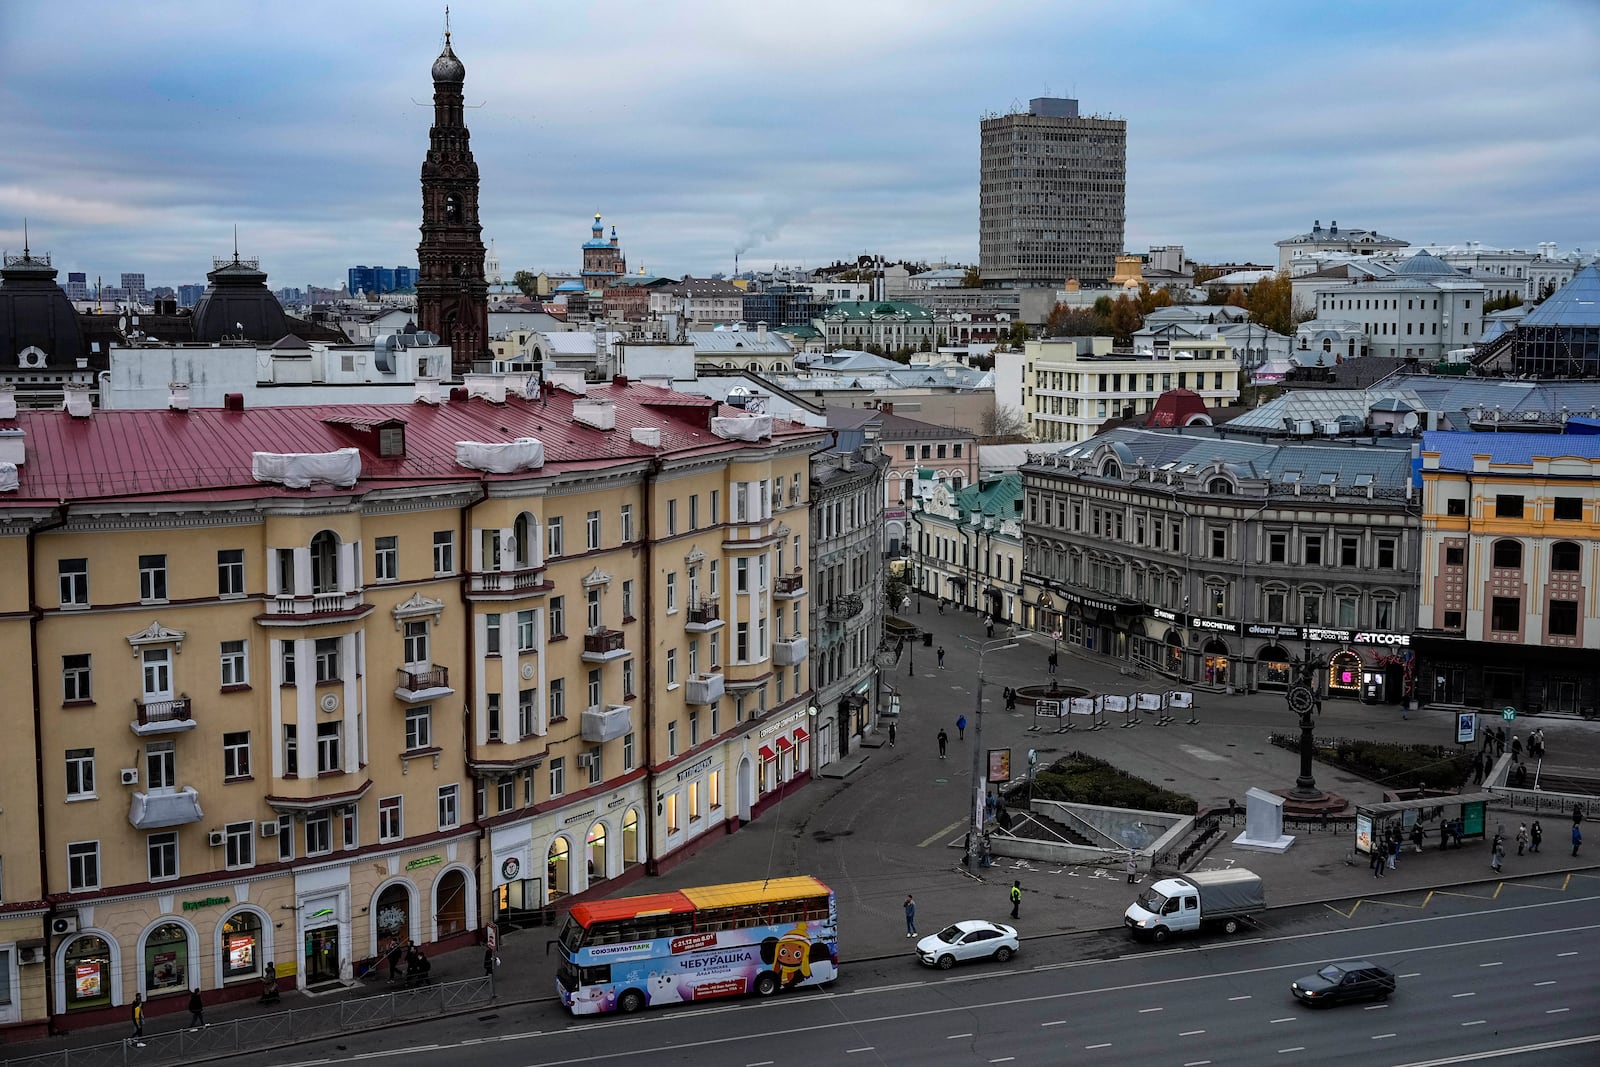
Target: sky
137,135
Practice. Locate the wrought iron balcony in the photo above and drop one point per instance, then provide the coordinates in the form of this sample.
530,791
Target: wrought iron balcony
844,607
163,716
422,683
789,585
704,616
602,645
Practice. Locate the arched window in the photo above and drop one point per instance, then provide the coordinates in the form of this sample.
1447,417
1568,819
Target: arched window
525,532
325,562
556,869
1327,344
1111,469
88,967
166,959
1566,556
596,844
450,911
1220,487
241,946
394,916
1507,553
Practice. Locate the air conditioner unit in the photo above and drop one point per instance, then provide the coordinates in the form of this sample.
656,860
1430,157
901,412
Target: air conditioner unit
588,759
30,954
269,828
216,839
130,776
64,924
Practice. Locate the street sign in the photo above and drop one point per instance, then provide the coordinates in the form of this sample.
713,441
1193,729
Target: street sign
1508,713
491,937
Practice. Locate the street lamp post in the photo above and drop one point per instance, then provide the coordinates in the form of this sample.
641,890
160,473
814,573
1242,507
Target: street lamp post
980,788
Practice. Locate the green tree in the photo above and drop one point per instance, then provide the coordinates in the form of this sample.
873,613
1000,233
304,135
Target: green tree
1271,303
1203,274
1125,319
972,278
1510,300
1150,299
527,281
1018,335
1102,307
1064,321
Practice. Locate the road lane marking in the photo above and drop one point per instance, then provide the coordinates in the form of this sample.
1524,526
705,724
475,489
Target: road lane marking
853,1051
760,1063
1560,954
1475,1057
1495,964
1055,1022
1147,1011
1191,1033
1458,996
1380,1037
1411,974
1003,1059
1550,982
1556,1011
1475,1022
1285,1019
1286,1051
1103,1044
938,834
1245,997
1197,1063
957,1037
1375,1007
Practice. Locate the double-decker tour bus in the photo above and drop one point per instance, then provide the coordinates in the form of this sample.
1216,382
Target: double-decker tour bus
697,944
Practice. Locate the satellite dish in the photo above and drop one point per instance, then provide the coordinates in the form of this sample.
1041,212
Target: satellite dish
122,324
1410,421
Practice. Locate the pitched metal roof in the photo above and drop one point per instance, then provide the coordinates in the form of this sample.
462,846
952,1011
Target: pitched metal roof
1575,304
1457,450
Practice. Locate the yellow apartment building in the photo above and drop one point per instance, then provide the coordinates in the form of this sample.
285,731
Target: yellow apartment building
310,682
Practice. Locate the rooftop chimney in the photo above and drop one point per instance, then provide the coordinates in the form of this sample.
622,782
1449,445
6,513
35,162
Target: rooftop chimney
761,332
178,396
8,401
649,436
1333,227
233,401
78,405
13,446
595,412
427,391
490,387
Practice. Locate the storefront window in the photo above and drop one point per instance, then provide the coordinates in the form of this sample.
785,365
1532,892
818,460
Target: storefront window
556,868
630,838
1215,663
166,959
394,917
597,852
1344,673
1274,667
88,962
451,914
241,946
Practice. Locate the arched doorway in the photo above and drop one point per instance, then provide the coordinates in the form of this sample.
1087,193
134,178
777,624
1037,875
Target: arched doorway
165,960
557,870
1273,666
1214,661
450,905
1174,652
88,973
1344,674
391,917
325,562
630,838
747,788
597,865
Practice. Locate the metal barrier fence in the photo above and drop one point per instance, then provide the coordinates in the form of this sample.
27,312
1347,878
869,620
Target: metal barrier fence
1540,803
256,1033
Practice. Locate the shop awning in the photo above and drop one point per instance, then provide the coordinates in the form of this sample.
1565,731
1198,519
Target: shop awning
784,744
800,735
767,753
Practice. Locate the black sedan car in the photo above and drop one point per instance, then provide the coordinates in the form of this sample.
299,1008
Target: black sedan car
1353,980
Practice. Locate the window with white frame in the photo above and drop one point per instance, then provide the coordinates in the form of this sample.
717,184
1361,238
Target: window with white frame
416,650
319,833
234,665
326,653
83,865
505,790
591,531
558,616
239,838
672,739
592,599
285,838
390,818
75,679
627,599
444,552
152,578
594,688
672,666
491,715
386,558
525,713
291,750
161,766
672,591
627,752
236,754
558,776
694,656
449,807
80,774
73,575
419,727
491,634
230,572
627,677
161,851
558,699
330,736
286,660
672,517
627,523
716,506
555,539
525,639
350,826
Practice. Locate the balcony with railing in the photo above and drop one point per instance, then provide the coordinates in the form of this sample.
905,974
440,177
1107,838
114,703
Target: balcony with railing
789,586
606,722
844,608
704,617
704,688
526,581
163,716
788,651
418,683
603,645
319,605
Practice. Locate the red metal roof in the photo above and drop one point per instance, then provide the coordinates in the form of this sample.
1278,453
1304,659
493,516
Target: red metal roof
598,911
204,454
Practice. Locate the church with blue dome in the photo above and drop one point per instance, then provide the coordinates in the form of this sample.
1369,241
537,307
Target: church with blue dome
603,263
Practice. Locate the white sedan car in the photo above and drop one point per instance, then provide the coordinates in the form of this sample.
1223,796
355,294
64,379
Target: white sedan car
971,939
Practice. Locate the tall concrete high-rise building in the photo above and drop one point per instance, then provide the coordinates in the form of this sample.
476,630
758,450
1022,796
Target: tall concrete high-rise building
1052,195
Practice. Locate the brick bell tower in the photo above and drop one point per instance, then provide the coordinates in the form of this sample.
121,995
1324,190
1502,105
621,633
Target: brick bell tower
452,294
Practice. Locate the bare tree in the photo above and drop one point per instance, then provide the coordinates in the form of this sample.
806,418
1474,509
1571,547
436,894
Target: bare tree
1004,421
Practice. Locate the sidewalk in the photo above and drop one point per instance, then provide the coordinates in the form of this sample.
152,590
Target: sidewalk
896,825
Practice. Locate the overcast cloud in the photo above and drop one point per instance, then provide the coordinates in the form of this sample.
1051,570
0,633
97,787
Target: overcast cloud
136,135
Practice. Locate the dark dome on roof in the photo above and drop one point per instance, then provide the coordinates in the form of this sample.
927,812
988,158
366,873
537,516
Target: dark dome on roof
237,305
447,68
36,317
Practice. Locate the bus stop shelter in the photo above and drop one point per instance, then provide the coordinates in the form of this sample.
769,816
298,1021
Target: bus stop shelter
1470,808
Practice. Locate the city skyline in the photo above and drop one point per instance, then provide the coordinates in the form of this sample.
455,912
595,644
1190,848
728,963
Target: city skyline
138,147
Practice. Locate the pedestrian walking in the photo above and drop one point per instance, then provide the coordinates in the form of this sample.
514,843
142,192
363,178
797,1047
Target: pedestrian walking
137,1037
1016,893
488,962
1516,747
941,657
1535,835
941,605
1418,835
1377,861
1522,837
1053,661
891,735
393,959
1497,853
911,916
1577,838
961,728
197,1011
1133,869
988,624
944,739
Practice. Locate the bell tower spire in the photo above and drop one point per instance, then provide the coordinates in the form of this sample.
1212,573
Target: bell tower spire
452,292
